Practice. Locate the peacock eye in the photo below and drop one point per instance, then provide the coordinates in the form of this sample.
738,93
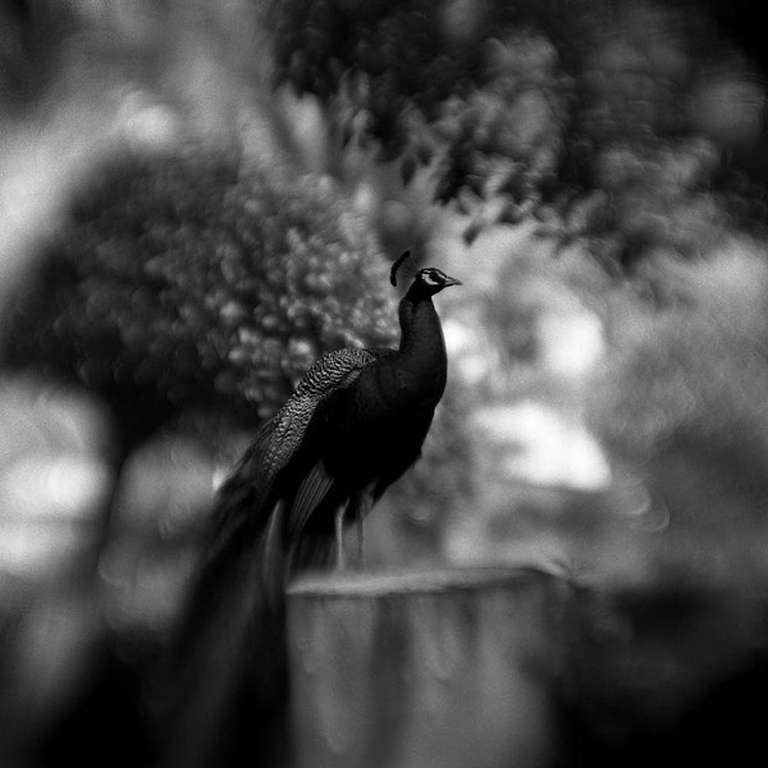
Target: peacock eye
431,278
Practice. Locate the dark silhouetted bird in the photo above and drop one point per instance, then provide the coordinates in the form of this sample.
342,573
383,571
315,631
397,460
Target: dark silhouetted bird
354,425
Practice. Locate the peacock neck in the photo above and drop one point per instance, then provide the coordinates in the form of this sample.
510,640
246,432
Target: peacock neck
422,347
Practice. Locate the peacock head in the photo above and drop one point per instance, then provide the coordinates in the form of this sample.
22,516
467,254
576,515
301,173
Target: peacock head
427,281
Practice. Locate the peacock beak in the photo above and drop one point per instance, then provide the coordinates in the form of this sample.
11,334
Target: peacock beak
451,281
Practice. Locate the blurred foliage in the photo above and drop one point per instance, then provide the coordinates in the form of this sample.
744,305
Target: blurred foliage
684,394
28,51
596,117
381,59
469,86
195,281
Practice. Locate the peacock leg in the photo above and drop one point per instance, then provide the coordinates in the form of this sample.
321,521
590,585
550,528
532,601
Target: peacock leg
358,508
340,562
360,538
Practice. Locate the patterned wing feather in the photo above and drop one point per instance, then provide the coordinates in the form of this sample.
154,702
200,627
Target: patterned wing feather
250,490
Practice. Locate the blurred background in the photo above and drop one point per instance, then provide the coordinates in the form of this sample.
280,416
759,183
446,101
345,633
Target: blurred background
199,197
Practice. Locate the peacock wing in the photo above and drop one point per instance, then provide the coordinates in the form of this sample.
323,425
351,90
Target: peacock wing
250,493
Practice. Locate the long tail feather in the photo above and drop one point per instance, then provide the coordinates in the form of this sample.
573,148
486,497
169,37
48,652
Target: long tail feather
226,696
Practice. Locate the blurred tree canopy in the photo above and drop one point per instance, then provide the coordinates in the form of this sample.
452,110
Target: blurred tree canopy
604,120
193,281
